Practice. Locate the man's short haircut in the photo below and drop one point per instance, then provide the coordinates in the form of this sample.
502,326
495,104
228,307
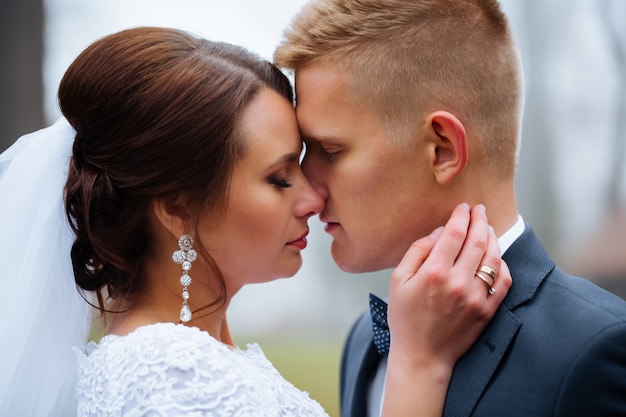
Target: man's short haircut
407,58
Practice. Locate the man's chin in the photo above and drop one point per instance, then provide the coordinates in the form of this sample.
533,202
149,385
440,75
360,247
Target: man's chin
352,263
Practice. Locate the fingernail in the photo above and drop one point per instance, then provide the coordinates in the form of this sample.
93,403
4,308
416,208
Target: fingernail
435,233
465,206
481,208
491,230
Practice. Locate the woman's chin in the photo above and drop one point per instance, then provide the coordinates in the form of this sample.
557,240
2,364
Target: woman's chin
290,269
287,272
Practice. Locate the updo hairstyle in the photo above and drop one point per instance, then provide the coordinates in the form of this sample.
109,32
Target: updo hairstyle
155,112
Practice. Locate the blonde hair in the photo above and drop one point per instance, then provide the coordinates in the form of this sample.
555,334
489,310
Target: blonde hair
408,58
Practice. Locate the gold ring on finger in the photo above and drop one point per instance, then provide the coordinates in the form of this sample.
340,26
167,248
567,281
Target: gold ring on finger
488,270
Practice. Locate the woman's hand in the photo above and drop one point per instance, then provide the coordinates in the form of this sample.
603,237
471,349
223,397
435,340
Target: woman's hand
438,308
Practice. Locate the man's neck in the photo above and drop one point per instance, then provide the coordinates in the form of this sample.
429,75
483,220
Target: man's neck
500,202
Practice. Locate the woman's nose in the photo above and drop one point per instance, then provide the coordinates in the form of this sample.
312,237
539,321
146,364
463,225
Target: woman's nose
311,202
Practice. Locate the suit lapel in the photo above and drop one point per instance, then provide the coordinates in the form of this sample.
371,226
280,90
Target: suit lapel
529,265
474,370
363,361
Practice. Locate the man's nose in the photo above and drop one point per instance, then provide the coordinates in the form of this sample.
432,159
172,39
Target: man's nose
316,174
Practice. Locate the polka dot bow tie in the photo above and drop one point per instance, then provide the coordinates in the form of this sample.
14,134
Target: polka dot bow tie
378,310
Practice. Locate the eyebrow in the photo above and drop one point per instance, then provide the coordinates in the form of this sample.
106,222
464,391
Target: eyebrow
286,159
322,138
307,138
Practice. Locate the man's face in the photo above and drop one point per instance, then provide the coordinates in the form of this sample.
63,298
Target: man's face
380,196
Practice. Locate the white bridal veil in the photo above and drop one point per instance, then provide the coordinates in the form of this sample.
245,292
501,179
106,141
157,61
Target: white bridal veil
42,315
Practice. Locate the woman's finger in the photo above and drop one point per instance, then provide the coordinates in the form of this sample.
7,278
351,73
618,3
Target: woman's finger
452,238
478,245
414,258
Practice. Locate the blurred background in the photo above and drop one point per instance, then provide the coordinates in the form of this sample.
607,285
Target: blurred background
571,181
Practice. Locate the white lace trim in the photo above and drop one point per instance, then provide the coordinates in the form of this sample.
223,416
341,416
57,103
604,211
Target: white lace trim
166,369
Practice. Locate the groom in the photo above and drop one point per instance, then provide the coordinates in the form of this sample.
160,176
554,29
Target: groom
407,109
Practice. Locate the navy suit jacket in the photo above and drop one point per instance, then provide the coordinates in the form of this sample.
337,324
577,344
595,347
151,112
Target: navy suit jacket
555,347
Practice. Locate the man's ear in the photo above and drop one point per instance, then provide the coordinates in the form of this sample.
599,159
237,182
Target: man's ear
450,153
172,214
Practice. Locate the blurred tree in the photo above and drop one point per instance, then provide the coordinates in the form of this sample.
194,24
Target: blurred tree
538,201
601,256
613,22
21,79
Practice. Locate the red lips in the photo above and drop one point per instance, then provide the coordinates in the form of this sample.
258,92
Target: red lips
301,242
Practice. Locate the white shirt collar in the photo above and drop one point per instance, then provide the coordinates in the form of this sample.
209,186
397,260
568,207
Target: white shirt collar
506,240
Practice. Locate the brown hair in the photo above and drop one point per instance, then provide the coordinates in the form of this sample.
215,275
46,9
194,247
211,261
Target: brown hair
406,59
155,112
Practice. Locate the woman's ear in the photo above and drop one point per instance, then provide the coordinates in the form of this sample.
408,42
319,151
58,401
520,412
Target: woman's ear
450,154
172,214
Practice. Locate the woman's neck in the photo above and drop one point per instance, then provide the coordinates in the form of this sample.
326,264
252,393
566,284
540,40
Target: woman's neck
160,308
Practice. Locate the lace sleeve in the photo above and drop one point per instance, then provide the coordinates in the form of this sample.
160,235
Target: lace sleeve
168,370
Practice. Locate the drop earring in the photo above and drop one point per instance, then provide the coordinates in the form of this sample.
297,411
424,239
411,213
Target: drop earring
185,256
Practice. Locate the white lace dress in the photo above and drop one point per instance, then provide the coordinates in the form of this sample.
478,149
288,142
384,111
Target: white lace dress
174,370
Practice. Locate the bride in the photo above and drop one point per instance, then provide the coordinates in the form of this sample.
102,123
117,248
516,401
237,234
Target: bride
172,181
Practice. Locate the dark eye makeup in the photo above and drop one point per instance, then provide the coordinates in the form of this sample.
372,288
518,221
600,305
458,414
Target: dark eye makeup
279,182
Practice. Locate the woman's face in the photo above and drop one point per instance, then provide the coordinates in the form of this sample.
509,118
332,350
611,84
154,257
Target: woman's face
264,227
